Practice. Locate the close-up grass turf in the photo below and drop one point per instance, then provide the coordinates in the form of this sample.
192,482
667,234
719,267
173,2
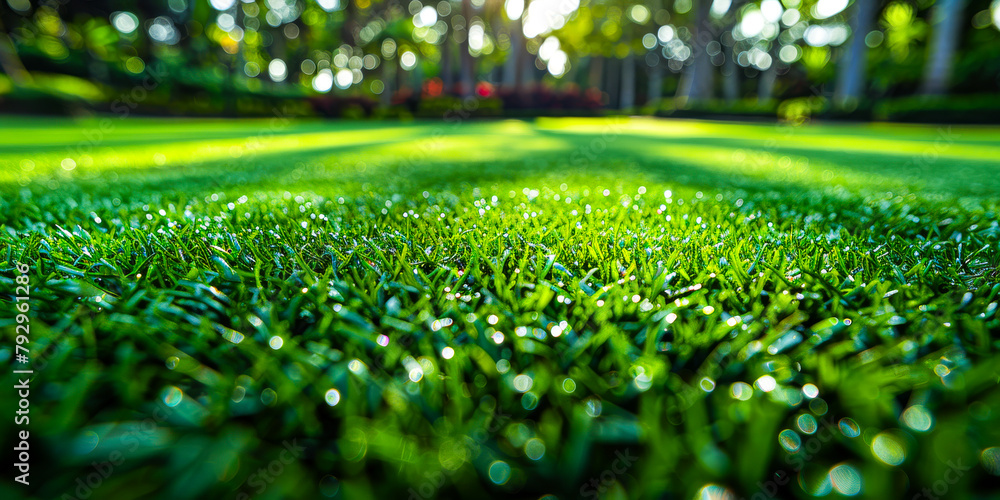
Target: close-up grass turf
613,307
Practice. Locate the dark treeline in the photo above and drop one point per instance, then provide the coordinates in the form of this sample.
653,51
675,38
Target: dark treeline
205,56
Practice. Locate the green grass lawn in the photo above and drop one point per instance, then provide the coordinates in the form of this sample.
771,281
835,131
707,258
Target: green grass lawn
628,308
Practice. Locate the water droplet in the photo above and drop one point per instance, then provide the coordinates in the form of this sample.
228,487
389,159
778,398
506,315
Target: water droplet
86,442
499,472
741,391
818,406
806,423
766,383
990,460
715,492
172,396
846,480
329,486
332,397
889,449
569,385
707,384
594,407
268,396
534,449
789,440
529,401
810,391
503,366
849,427
523,383
918,418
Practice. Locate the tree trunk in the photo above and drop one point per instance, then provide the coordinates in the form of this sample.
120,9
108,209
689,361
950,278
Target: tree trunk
513,69
467,61
655,87
730,70
385,98
9,60
350,24
696,82
946,26
627,99
613,83
595,72
765,82
853,63
447,72
730,77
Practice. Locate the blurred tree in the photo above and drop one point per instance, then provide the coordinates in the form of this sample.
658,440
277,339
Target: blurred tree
946,26
697,82
852,66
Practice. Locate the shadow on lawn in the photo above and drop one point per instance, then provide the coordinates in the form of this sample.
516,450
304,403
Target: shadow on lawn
458,157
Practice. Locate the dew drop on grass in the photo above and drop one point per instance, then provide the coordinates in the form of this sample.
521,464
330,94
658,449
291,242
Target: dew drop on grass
707,384
447,353
846,480
523,383
818,406
529,401
268,397
918,418
806,423
86,442
789,440
815,482
889,449
172,396
172,362
715,492
276,342
534,449
810,391
569,385
990,460
849,427
499,472
329,487
741,391
594,407
766,383
332,397
503,366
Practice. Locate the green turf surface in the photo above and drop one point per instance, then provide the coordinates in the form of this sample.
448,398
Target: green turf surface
630,307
